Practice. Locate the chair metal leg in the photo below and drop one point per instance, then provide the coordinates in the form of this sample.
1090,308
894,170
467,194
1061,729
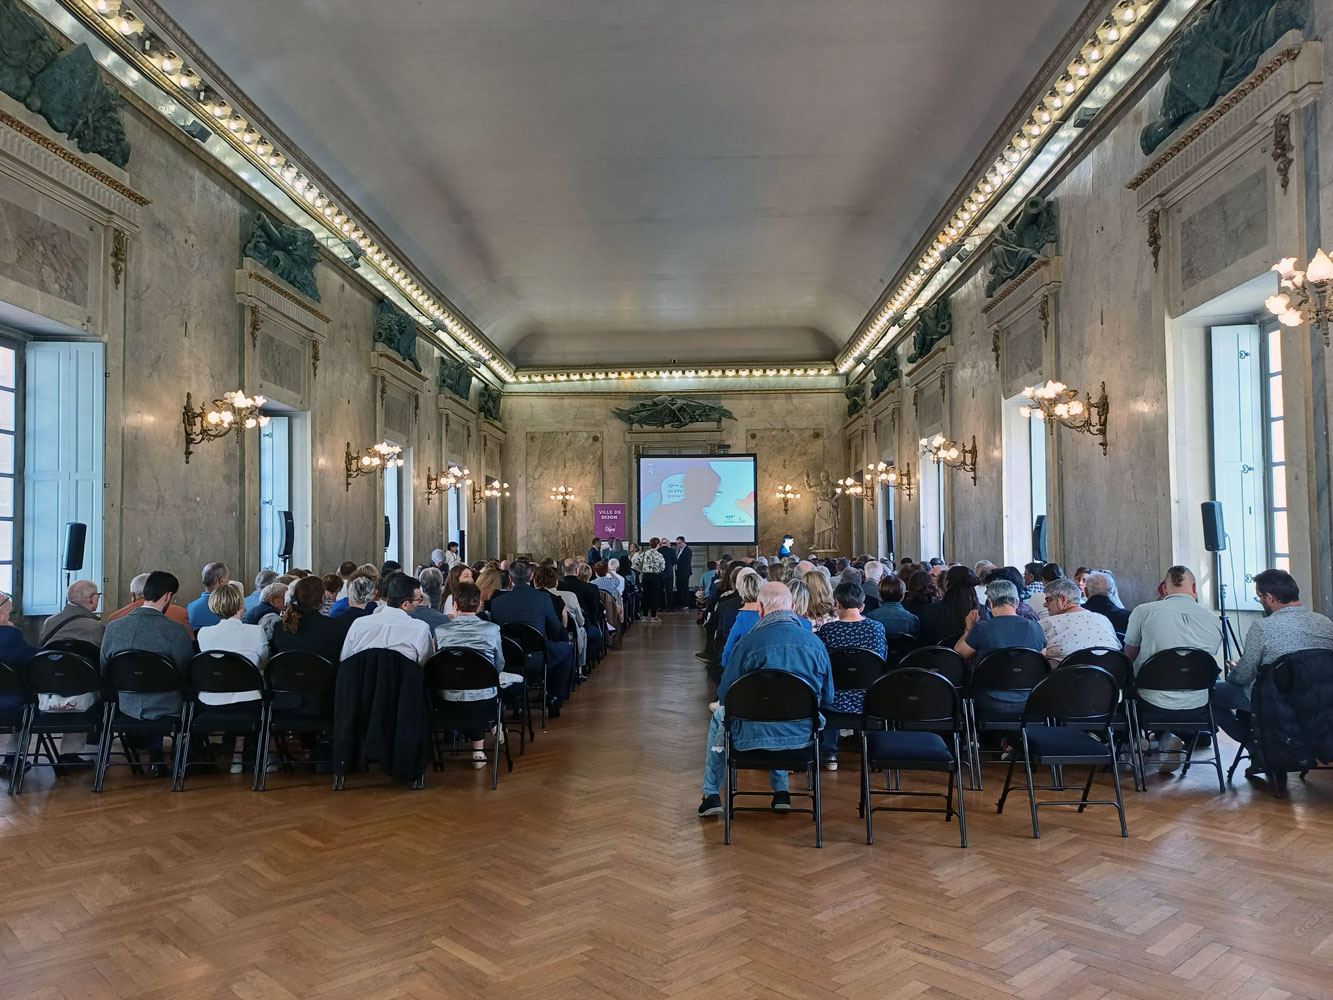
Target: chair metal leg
962,804
1032,790
1119,802
819,815
1231,771
103,748
1008,779
867,806
21,752
1087,788
731,789
182,748
1217,753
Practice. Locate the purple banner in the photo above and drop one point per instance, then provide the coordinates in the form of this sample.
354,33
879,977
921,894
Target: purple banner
609,520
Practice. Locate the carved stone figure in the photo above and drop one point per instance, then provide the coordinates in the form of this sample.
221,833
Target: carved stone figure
287,251
856,398
1018,246
25,49
456,377
488,402
397,331
934,323
827,512
887,372
673,411
1215,53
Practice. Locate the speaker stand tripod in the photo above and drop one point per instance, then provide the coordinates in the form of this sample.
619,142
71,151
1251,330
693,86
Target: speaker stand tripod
1228,633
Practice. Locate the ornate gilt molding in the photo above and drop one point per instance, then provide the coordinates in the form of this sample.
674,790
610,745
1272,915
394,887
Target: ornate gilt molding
255,323
55,148
314,360
1282,149
1014,285
1044,315
1155,236
384,389
291,296
995,347
944,385
117,255
916,402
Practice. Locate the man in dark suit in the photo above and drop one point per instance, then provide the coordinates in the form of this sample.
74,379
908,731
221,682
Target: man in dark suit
529,606
590,601
669,574
684,567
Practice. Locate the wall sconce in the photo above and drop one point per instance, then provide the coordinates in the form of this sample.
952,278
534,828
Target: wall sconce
893,477
377,456
234,409
787,493
1312,289
564,494
490,491
946,452
854,488
451,479
1055,403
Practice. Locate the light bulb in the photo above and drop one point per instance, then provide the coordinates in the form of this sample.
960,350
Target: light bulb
1039,414
1321,268
1292,317
1277,304
213,416
250,422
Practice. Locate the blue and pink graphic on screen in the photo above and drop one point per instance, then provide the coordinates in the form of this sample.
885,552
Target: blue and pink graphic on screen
706,499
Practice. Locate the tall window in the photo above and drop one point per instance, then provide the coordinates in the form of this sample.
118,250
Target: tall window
458,500
392,513
888,507
932,509
275,491
8,461
1275,419
492,524
1024,479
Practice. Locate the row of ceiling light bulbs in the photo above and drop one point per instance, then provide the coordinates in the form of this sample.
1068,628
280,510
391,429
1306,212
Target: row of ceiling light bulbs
1044,117
671,373
126,23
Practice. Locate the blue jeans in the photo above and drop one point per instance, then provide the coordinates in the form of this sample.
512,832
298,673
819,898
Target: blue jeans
715,765
1227,699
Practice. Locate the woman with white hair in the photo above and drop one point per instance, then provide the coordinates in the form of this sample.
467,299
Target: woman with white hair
1099,585
748,583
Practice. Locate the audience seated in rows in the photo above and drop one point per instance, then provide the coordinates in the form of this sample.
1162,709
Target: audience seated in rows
1069,627
1098,586
747,583
272,601
214,576
526,605
393,627
896,619
174,612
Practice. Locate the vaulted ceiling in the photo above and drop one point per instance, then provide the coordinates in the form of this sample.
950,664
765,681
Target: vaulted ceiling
631,181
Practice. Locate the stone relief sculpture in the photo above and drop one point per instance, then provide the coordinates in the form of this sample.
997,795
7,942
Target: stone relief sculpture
488,402
933,324
673,411
827,512
856,398
456,377
397,331
1215,53
1019,245
65,88
287,251
887,372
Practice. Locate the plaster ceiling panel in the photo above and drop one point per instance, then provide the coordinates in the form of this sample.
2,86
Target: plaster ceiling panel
646,166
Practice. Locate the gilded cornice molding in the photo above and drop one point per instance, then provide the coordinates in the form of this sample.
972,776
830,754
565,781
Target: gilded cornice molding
17,127
1013,286
249,275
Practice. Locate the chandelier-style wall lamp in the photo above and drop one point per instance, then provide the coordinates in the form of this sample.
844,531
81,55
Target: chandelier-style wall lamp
564,494
234,409
491,491
893,477
451,478
1056,403
854,488
1311,290
945,452
377,457
787,493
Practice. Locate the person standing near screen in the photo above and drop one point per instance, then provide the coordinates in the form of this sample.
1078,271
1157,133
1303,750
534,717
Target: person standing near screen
787,542
668,574
684,567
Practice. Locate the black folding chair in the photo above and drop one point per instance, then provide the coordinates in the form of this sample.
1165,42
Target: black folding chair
1000,679
905,713
854,669
64,675
950,641
1179,670
220,672
14,707
772,696
1061,713
899,645
515,697
301,686
458,669
79,647
953,668
1121,667
138,672
533,644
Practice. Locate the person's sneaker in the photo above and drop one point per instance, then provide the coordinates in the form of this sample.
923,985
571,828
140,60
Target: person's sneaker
478,759
711,805
553,709
830,763
782,801
702,656
1172,744
655,620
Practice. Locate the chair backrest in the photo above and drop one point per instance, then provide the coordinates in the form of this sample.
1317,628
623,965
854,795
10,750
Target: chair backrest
1114,662
945,662
899,645
915,697
855,669
299,672
137,671
1178,669
527,637
79,647
1014,668
456,668
950,641
768,695
63,674
1082,695
222,671
1286,669
515,658
609,609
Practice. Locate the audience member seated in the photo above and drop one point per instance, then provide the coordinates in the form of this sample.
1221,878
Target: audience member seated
1175,620
1069,627
1033,582
333,585
262,579
604,581
874,572
1098,586
77,619
360,600
949,617
921,593
215,575
458,573
529,606
271,602
15,652
851,629
896,619
822,609
467,631
1003,629
590,601
174,612
432,586
393,627
490,582
366,571
426,612
301,627
778,642
546,578
232,635
747,583
1014,576
1285,628
346,570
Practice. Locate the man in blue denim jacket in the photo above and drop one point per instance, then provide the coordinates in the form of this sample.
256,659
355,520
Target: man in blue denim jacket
779,642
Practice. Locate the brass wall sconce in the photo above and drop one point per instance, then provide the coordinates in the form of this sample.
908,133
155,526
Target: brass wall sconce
1055,403
233,410
490,491
451,479
945,452
893,477
564,495
787,493
855,489
377,457
1311,289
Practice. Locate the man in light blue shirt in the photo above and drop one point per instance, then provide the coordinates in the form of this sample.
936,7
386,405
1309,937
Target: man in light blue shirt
262,579
215,575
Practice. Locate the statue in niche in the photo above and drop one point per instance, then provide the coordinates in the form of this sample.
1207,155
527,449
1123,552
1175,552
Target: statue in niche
1215,53
25,50
673,411
827,511
397,331
887,372
287,251
933,324
488,402
456,377
856,398
1018,246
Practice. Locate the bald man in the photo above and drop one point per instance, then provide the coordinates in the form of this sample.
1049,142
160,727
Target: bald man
77,619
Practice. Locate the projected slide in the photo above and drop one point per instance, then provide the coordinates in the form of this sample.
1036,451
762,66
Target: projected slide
710,499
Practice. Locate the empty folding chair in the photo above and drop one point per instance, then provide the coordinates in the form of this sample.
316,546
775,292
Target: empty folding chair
1171,694
301,686
515,697
139,674
1121,667
64,675
217,676
464,691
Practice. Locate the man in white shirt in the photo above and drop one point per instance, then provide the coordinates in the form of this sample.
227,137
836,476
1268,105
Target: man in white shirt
394,627
1175,620
1069,627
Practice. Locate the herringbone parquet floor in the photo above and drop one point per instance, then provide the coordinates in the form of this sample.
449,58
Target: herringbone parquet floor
588,875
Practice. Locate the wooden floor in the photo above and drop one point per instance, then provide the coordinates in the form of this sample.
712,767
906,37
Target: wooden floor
587,874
